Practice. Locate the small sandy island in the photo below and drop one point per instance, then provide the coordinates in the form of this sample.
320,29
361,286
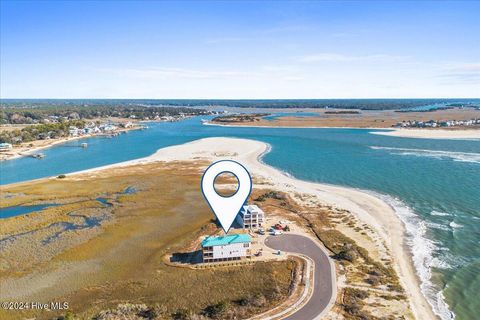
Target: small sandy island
366,207
473,134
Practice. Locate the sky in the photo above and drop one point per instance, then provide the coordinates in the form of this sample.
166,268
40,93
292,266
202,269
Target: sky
239,49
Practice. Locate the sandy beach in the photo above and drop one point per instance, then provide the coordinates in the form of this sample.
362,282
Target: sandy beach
432,134
26,150
366,207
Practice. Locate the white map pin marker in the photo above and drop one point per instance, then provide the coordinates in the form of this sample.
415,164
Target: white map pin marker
226,208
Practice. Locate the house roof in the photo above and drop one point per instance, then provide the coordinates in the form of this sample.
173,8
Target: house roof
225,240
253,208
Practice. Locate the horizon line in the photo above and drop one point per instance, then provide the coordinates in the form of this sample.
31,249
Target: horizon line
239,99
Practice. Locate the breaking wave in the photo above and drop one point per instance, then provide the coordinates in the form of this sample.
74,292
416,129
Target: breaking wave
438,226
422,250
470,157
455,225
440,214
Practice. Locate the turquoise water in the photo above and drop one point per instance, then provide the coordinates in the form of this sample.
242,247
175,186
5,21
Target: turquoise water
443,105
433,184
430,107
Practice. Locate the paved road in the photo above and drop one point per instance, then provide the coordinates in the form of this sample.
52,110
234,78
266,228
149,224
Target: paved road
323,282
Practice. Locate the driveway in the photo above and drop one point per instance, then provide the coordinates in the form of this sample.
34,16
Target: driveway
324,275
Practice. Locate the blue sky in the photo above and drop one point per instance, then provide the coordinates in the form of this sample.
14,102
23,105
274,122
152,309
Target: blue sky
89,49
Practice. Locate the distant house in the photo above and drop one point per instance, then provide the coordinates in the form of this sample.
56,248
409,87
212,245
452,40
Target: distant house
226,248
73,131
251,217
5,146
109,128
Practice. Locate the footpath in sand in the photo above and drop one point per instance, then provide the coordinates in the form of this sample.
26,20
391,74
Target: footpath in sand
367,208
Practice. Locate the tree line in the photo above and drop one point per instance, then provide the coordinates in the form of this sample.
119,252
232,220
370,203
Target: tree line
40,131
14,113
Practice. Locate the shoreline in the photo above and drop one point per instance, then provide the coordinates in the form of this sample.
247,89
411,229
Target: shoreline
293,127
367,207
32,150
361,119
459,134
53,142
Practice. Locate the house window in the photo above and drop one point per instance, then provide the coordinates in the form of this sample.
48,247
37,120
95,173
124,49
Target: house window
246,245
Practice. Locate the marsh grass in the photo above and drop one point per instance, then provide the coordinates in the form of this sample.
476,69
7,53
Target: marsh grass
122,261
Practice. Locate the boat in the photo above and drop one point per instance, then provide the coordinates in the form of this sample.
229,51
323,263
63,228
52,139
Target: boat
38,155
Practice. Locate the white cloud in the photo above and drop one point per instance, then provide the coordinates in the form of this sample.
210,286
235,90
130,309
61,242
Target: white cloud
461,73
336,57
166,73
287,72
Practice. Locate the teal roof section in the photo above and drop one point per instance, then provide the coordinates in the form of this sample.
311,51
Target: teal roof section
225,240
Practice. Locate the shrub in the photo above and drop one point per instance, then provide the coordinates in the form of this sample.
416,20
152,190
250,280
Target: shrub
182,314
271,195
258,300
349,255
216,310
372,280
61,176
68,316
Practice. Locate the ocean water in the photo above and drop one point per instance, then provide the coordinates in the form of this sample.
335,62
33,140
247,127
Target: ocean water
434,185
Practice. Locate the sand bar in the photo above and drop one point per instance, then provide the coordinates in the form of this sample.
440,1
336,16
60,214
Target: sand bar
473,134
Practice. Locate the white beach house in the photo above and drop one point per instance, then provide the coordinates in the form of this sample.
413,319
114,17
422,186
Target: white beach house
226,248
251,217
73,131
5,146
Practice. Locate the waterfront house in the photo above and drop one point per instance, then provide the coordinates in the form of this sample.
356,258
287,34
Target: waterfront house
5,146
226,248
108,128
251,217
73,131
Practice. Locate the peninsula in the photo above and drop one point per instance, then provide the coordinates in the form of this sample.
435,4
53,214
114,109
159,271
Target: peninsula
115,213
454,122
